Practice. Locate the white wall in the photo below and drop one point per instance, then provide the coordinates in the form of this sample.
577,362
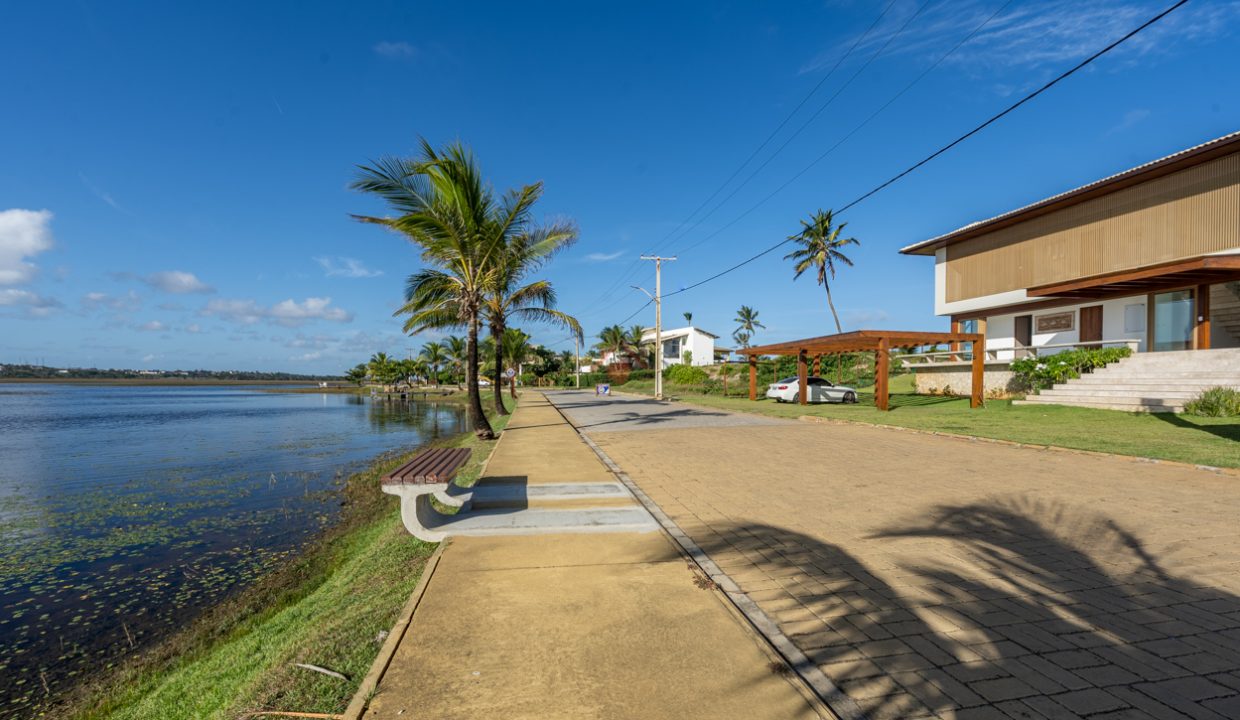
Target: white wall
1001,329
701,344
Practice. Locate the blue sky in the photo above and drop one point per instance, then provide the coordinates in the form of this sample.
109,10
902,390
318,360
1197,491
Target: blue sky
173,191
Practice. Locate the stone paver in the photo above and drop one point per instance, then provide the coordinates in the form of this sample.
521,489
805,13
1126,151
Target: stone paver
937,576
576,626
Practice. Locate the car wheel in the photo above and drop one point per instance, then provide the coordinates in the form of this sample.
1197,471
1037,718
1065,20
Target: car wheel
850,397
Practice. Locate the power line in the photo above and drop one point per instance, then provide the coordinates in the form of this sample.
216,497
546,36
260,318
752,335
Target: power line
955,142
854,131
628,271
811,118
782,123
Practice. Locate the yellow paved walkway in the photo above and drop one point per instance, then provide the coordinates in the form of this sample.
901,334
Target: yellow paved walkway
576,626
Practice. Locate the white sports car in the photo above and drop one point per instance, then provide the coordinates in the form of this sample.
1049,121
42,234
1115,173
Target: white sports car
820,391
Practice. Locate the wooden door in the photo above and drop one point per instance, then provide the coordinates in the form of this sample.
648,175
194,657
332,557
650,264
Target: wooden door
1091,323
1024,333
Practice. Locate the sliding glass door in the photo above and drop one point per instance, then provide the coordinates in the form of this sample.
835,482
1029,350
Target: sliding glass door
1173,320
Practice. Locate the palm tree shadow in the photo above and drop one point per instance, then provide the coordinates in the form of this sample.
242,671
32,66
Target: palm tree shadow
1227,431
1017,598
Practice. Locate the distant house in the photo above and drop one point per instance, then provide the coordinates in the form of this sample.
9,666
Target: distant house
676,341
1148,257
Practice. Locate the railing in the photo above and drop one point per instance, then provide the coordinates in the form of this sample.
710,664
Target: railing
1021,351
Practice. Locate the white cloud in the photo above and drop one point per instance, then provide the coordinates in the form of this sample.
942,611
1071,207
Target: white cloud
149,357
306,357
128,302
1131,118
864,316
399,50
1035,34
288,313
35,305
23,234
152,326
177,282
346,267
603,257
194,328
101,194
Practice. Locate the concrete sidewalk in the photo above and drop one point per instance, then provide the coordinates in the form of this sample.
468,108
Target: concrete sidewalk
604,625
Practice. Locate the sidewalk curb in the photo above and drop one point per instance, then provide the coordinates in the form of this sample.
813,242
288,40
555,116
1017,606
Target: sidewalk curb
831,698
361,699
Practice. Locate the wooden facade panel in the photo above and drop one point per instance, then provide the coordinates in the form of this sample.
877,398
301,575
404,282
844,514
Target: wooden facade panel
1189,213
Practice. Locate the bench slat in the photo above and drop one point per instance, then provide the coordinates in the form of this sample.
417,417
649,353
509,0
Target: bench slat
437,465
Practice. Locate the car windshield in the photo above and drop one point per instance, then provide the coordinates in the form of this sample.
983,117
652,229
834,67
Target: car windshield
787,380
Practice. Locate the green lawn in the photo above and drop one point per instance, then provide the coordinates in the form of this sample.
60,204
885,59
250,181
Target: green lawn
327,608
1185,438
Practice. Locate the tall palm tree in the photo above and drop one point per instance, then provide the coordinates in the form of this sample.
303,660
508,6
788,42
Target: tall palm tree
454,349
380,368
516,347
509,297
820,248
639,351
447,209
688,318
434,357
747,320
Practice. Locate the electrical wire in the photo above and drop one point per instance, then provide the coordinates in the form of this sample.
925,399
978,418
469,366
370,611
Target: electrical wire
990,121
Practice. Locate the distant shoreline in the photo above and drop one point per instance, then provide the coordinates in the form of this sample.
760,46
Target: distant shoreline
154,381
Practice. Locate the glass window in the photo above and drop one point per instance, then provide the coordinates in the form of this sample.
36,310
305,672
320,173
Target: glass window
671,348
1134,318
968,326
1173,320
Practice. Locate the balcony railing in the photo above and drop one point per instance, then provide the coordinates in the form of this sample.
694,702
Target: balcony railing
992,355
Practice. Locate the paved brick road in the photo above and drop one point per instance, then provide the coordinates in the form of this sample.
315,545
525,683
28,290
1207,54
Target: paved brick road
930,576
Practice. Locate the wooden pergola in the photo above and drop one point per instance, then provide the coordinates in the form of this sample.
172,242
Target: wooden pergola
880,342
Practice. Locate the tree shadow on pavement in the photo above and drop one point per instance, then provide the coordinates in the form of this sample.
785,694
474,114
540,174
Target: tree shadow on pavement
1011,608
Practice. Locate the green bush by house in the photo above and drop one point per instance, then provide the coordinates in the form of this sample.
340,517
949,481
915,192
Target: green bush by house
684,375
1041,373
1215,402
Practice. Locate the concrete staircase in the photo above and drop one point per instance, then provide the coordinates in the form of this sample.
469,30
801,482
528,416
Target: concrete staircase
1147,382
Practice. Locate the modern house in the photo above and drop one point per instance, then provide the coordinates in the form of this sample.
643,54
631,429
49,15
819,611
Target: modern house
677,341
1149,257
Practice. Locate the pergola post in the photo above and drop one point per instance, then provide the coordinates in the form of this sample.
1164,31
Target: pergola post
817,365
802,378
753,377
881,362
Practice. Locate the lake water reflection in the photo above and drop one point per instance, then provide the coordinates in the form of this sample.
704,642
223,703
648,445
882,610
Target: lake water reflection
124,510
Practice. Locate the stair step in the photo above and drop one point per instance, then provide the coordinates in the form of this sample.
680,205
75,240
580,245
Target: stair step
1105,405
1071,392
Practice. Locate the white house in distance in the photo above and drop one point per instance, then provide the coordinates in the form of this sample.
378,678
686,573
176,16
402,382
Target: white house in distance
676,341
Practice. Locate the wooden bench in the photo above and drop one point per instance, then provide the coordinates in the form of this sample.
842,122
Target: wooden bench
428,474
438,465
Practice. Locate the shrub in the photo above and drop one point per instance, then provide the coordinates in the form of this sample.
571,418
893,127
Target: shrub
1215,402
643,374
1041,373
685,375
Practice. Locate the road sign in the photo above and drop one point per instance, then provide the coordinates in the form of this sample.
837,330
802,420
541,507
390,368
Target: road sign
510,372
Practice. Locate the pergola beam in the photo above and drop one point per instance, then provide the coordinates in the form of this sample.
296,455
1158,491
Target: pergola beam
880,342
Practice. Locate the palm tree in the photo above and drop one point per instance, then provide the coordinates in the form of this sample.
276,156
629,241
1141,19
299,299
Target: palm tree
820,244
747,320
516,347
433,356
454,349
615,340
380,368
454,217
689,318
508,298
741,337
638,350
567,360
357,374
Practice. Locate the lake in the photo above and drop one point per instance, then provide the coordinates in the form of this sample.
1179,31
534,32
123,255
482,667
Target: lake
126,510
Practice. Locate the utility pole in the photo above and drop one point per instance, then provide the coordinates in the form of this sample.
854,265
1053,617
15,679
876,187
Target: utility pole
658,320
577,353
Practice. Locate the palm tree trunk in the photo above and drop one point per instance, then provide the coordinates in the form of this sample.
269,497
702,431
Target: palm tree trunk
477,418
497,334
831,305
